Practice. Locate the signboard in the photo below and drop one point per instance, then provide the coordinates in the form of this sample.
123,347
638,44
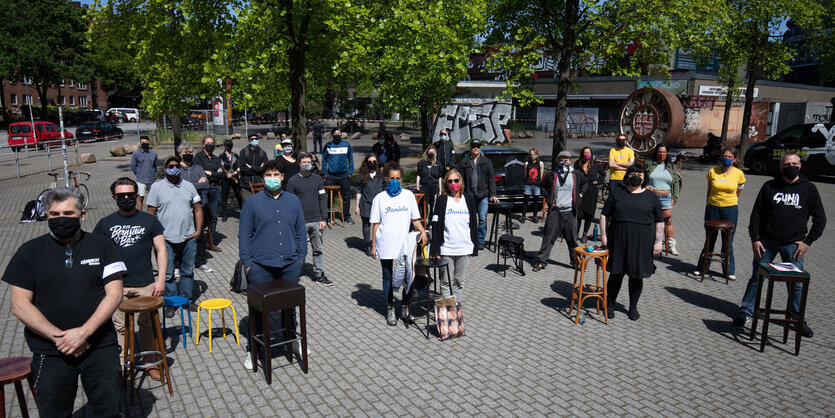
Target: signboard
722,91
684,60
678,87
217,112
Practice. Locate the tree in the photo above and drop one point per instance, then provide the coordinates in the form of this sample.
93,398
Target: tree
588,37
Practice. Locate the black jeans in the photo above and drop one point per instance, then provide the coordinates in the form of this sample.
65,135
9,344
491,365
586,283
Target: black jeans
558,224
366,230
56,382
344,182
225,185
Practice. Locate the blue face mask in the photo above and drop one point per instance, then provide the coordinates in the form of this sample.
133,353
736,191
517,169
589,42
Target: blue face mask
173,171
727,162
272,183
380,141
393,187
254,142
307,167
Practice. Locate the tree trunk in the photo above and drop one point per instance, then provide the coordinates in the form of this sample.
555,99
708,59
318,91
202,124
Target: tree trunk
380,115
729,97
297,91
177,131
564,77
425,124
330,95
746,113
4,112
42,89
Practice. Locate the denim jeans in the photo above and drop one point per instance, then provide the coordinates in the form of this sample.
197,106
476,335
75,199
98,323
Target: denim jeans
728,213
260,274
181,255
57,382
315,236
211,199
771,250
482,219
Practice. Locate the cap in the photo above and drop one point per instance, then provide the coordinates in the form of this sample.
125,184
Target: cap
171,158
566,154
286,141
475,143
254,135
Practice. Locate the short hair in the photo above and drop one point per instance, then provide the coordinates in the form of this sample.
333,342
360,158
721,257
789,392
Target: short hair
787,155
145,137
273,165
732,150
391,166
207,137
389,135
335,129
171,158
255,135
636,168
185,146
123,181
621,135
61,194
303,155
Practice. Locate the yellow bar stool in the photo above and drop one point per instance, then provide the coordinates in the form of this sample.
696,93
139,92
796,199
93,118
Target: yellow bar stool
211,305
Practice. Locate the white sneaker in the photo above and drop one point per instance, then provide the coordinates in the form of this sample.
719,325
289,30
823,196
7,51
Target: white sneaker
697,273
205,268
248,362
177,273
731,277
297,348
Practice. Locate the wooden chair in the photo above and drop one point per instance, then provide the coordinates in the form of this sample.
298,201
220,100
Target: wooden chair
14,370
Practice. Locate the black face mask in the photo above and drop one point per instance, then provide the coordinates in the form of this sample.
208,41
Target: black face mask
337,138
372,166
791,172
635,181
229,147
188,158
145,146
126,204
209,148
620,143
64,227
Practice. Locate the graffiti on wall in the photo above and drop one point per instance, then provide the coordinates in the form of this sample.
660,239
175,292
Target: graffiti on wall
485,121
703,115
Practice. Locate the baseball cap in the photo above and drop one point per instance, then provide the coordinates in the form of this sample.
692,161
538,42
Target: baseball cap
287,141
566,154
475,143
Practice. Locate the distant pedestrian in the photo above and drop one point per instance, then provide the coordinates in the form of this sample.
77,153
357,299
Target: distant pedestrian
621,157
429,174
594,178
534,172
232,167
386,149
446,151
665,182
478,176
318,130
724,186
195,175
369,184
337,167
213,168
253,159
143,164
454,233
310,189
564,190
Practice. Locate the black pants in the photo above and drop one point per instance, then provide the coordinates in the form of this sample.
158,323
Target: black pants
317,144
586,219
344,182
225,185
636,286
366,230
558,224
56,382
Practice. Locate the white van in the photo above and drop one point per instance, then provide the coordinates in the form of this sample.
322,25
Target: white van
131,113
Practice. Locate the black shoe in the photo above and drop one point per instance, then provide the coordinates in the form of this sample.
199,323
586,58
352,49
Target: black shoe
350,221
323,280
406,315
610,311
169,311
538,266
225,218
480,245
740,320
391,319
633,314
806,331
535,220
522,220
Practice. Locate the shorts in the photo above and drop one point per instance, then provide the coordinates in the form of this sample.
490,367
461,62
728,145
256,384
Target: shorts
531,189
143,188
666,201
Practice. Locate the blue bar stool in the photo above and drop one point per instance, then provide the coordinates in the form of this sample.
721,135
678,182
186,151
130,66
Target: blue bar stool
178,302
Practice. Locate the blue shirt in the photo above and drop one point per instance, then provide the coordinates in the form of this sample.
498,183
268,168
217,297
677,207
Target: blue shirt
272,231
144,165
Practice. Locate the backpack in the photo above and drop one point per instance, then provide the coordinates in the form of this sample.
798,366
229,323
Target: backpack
237,284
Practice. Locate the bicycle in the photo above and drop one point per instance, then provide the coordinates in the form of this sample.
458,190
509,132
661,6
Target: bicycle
74,184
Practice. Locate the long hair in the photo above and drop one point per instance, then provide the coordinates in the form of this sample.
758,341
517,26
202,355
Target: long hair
426,153
655,153
365,173
578,165
444,188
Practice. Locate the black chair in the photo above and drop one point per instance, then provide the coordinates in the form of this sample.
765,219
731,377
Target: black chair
513,247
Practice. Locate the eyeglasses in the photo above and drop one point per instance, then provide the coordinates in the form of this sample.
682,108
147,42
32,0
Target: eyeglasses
453,181
173,166
475,146
125,195
68,261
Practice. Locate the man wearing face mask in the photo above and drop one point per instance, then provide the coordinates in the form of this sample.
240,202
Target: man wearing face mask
177,206
143,163
318,129
136,234
478,178
310,189
778,225
386,149
272,239
446,151
252,165
210,196
232,167
337,167
620,158
564,190
65,286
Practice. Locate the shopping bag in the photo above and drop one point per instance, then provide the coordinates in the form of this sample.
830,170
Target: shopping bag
449,318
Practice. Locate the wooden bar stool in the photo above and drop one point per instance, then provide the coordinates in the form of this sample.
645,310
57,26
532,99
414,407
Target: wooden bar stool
264,298
332,211
14,370
136,306
712,228
421,199
582,290
766,272
217,304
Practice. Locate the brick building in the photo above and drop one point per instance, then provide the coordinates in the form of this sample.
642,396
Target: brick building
86,95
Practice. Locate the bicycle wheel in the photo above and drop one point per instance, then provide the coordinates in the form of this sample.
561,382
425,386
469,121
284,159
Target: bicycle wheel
86,193
604,192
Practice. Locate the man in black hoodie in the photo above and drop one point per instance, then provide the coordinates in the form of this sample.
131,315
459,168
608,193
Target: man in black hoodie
778,225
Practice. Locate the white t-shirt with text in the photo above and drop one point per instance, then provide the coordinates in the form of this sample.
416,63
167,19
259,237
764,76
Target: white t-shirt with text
394,214
457,238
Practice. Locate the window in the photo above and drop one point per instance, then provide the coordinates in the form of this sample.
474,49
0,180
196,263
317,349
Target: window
82,101
62,100
63,83
14,99
50,128
82,86
72,100
27,99
26,80
20,129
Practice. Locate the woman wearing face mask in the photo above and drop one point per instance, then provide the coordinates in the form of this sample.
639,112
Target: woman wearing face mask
632,227
534,170
665,182
369,184
724,185
232,167
588,203
386,149
454,230
428,174
446,151
287,159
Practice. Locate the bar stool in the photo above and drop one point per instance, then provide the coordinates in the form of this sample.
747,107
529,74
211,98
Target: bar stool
435,266
513,247
421,198
14,370
215,304
581,291
181,302
713,228
766,272
276,295
498,209
332,211
135,306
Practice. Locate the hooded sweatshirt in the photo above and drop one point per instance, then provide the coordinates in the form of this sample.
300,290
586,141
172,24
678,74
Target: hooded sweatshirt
782,210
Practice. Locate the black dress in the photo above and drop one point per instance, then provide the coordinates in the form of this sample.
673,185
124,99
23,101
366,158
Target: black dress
429,173
631,231
588,205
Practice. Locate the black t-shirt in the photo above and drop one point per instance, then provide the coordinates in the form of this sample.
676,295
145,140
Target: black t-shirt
134,235
289,169
429,173
67,298
640,208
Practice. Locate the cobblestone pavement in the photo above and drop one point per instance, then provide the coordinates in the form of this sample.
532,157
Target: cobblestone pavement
522,354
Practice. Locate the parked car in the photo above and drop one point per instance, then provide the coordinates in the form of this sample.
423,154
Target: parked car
20,135
192,123
81,116
814,142
115,117
504,159
97,131
131,114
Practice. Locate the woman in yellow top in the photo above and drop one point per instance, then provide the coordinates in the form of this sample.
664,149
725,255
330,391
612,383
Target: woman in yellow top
724,185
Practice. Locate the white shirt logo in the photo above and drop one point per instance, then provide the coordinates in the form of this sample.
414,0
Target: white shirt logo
788,199
90,262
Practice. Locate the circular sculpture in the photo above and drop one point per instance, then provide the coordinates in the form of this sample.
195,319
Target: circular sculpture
650,116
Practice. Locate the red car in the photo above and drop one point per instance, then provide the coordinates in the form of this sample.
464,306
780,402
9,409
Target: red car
20,135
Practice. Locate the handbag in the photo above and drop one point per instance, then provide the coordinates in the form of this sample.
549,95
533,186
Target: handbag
449,318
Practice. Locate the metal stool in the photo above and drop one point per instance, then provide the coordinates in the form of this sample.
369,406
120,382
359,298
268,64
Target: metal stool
181,302
429,264
713,227
581,291
332,211
131,307
14,370
498,209
264,298
771,274
513,247
215,304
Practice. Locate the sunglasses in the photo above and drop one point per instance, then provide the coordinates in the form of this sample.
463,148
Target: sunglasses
453,181
126,195
68,261
173,166
475,146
